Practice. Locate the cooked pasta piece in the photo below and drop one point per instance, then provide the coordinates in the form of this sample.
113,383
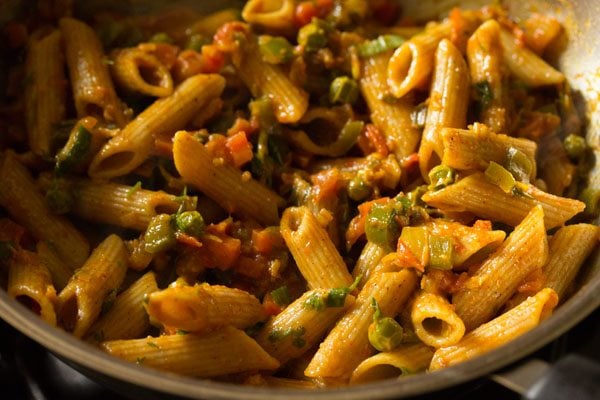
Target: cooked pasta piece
317,258
498,331
525,249
137,71
21,198
80,302
30,283
393,118
270,14
477,195
434,320
203,307
303,323
527,66
121,205
347,345
126,318
448,103
485,56
93,89
475,149
59,271
407,359
45,90
370,256
226,351
236,192
135,143
556,170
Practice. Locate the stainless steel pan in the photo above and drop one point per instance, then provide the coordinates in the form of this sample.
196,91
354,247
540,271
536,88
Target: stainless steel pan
580,61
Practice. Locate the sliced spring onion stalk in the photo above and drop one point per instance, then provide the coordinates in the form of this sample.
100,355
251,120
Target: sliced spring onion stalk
518,164
441,176
345,141
160,234
275,50
380,45
343,90
312,36
74,151
575,146
385,333
190,222
281,296
441,249
381,225
500,176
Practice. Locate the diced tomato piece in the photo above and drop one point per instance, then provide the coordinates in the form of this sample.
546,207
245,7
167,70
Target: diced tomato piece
213,59
377,139
225,38
250,267
307,10
239,148
187,239
271,308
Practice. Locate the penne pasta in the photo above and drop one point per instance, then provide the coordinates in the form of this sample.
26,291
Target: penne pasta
270,14
137,71
372,254
434,320
59,271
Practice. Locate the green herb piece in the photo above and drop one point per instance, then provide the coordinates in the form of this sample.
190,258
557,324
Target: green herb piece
484,94
190,222
109,301
196,41
381,225
343,90
575,146
140,360
275,50
380,45
281,296
500,176
441,251
159,235
337,297
518,164
314,302
161,37
181,332
134,188
296,334
385,333
313,36
441,176
152,344
520,189
7,250
74,151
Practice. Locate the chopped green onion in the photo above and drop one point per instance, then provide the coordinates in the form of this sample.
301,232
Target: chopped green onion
196,41
484,93
281,296
275,50
500,176
152,344
591,198
108,301
343,90
59,197
337,297
440,177
575,146
385,334
161,37
134,188
381,225
190,222
74,151
441,250
159,235
358,189
416,238
415,195
314,302
277,335
520,189
379,45
312,36
518,164
7,249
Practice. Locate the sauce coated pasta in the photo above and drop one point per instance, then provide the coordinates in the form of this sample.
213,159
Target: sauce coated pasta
293,194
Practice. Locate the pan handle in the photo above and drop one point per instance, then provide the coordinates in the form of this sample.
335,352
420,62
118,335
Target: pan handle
573,377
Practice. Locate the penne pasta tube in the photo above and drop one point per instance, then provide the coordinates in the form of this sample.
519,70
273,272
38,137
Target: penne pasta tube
93,89
302,324
226,351
475,149
569,247
556,170
22,200
405,360
290,102
498,331
412,63
484,53
371,255
234,191
45,91
203,307
270,14
121,205
347,345
318,260
59,271
30,283
525,250
137,71
135,142
80,302
448,103
434,320
477,195
393,119
527,66
126,318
